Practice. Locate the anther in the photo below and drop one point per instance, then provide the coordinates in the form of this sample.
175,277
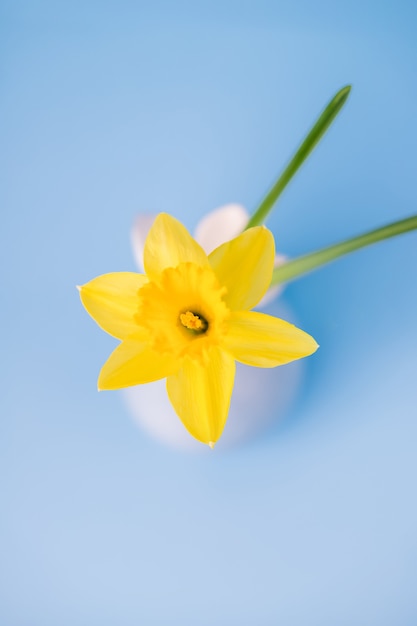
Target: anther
194,322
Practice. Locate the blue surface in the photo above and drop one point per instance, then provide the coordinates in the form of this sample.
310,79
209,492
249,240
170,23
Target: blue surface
108,109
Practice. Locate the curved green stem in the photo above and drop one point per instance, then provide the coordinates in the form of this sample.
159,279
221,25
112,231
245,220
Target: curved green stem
302,265
309,143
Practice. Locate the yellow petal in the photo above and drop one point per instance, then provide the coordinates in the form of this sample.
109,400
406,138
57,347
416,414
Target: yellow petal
112,301
265,341
134,363
168,244
244,266
200,394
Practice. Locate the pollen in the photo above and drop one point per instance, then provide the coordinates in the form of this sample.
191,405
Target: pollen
191,321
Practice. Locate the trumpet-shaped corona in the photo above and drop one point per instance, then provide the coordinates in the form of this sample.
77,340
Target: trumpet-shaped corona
188,320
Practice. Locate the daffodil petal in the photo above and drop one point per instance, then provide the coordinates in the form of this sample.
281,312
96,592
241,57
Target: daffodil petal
265,341
134,363
276,290
221,225
200,394
168,244
244,266
112,301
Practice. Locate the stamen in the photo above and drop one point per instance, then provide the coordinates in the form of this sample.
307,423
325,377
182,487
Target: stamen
191,321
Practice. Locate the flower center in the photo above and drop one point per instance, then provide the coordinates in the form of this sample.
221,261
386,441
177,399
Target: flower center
183,311
192,321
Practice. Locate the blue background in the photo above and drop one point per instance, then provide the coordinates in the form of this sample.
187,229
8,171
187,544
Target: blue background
109,109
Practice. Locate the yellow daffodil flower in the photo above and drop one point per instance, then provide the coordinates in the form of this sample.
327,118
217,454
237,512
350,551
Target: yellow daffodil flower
188,320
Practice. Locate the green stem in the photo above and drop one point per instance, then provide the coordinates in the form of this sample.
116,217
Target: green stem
309,143
308,262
